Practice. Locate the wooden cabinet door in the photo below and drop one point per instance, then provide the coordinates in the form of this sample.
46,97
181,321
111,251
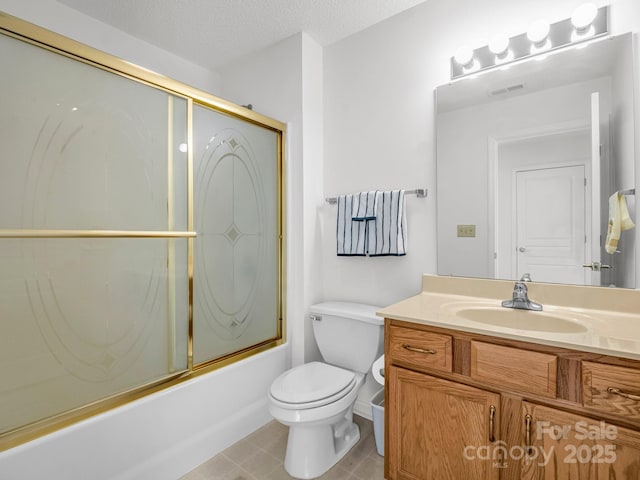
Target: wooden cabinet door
567,446
439,429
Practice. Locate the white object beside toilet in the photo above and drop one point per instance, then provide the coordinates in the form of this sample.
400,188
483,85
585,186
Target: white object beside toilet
377,369
315,400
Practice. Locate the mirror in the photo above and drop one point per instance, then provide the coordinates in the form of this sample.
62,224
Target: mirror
527,158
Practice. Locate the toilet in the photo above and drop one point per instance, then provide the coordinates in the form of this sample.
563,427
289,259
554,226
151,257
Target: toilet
315,400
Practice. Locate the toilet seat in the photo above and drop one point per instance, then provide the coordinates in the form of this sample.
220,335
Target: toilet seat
311,385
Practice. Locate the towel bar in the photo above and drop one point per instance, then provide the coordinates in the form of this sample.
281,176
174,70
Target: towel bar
628,191
419,192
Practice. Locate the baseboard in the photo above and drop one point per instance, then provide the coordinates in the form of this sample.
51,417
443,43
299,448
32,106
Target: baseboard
363,408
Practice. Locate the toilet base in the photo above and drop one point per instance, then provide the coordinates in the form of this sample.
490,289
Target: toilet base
312,450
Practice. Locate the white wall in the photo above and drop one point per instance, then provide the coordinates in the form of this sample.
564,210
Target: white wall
376,125
379,121
82,28
169,433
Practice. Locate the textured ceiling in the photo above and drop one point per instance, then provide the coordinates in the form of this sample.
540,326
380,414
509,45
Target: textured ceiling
212,33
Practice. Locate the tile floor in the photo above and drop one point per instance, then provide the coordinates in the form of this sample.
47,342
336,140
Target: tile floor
260,456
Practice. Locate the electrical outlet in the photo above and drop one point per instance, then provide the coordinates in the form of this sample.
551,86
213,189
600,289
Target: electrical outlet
466,230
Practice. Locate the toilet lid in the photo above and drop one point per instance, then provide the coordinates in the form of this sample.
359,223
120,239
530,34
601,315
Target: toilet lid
311,382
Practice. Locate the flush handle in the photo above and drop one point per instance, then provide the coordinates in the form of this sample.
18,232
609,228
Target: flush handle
316,318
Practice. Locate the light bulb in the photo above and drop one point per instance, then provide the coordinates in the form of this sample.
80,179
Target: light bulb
538,32
582,21
499,45
464,56
583,16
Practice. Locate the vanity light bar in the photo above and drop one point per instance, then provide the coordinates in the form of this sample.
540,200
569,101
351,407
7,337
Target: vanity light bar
560,34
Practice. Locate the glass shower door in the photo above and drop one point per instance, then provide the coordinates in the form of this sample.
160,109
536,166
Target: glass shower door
236,254
93,242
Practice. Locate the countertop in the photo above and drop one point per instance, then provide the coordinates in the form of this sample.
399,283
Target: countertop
606,331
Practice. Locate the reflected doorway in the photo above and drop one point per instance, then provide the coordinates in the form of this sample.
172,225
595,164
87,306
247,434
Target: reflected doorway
550,241
543,206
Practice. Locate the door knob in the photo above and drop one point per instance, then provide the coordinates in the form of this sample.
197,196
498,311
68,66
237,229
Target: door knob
522,249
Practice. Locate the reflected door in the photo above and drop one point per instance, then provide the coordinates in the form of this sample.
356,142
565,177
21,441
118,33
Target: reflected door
550,241
593,254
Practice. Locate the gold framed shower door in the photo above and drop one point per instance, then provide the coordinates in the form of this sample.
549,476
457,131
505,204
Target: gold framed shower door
58,45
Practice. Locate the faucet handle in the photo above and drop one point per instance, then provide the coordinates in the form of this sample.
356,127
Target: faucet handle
526,277
520,299
520,290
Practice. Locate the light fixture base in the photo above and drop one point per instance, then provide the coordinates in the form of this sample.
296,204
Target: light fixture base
561,34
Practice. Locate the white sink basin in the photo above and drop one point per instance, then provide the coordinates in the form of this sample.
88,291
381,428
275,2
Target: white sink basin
520,319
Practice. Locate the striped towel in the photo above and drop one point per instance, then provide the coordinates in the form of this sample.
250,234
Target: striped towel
351,235
388,232
364,206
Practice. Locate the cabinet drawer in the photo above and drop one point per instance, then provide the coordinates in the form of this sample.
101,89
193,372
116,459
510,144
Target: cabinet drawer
611,389
514,368
422,349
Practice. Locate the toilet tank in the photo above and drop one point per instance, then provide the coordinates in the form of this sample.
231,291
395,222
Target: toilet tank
349,335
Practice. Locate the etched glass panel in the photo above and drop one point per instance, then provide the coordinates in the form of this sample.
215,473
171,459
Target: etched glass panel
87,149
236,217
92,315
83,319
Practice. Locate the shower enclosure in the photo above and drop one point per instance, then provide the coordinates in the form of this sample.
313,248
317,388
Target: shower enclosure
141,232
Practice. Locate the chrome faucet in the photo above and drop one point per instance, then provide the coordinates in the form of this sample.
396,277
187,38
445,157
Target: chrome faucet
521,300
526,277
